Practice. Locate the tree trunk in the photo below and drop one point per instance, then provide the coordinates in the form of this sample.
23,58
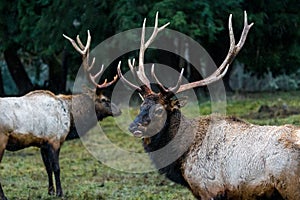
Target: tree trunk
17,70
65,64
2,94
57,75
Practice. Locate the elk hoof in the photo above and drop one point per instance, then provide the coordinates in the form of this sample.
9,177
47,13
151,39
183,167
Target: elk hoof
59,193
51,191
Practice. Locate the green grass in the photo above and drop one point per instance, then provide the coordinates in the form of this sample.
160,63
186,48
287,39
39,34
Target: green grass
84,177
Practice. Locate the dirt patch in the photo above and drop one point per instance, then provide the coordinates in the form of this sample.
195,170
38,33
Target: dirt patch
272,111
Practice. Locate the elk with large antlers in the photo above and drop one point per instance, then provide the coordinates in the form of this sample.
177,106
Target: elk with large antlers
216,157
45,120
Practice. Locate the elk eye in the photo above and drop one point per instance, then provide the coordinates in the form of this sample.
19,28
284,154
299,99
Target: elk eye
156,110
159,111
104,100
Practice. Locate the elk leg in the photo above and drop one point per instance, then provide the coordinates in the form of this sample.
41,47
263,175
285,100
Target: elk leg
3,142
1,190
45,156
54,158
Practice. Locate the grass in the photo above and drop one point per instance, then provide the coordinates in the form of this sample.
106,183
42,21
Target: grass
85,177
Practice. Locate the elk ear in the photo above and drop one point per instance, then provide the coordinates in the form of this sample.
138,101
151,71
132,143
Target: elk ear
181,102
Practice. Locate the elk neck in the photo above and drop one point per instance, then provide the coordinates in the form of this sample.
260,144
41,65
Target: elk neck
166,134
82,108
174,120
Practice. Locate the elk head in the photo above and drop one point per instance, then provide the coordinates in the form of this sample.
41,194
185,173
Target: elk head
103,106
156,107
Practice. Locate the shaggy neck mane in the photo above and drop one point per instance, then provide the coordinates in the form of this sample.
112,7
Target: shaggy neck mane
166,134
163,138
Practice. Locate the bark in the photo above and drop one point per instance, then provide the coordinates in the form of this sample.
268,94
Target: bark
2,93
57,75
17,70
65,65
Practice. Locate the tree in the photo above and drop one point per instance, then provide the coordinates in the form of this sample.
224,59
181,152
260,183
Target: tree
10,47
17,70
36,27
274,43
1,85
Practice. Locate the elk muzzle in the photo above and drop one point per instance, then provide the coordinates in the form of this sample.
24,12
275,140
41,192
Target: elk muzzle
137,129
150,121
115,110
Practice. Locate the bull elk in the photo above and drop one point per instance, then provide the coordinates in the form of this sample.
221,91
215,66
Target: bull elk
218,157
44,120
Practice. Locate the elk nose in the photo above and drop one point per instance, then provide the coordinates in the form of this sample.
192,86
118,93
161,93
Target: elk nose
115,110
135,129
132,127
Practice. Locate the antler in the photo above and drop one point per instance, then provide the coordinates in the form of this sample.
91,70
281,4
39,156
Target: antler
232,52
84,51
144,46
171,90
124,80
139,74
217,75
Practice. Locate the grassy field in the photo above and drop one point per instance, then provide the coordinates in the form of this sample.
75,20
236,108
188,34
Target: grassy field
84,177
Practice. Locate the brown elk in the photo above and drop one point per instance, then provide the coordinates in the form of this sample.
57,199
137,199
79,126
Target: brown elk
44,120
216,156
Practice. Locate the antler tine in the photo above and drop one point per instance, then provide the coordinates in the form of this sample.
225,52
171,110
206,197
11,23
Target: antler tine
84,51
94,77
235,48
80,47
176,87
155,31
88,67
125,81
141,71
156,79
245,31
171,89
232,52
132,68
105,84
134,72
79,41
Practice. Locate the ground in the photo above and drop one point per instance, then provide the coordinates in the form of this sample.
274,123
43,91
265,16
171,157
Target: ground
23,175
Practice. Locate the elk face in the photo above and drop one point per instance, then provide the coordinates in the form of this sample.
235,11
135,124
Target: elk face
151,119
104,107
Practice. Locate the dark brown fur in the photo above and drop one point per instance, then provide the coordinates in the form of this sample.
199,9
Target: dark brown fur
195,130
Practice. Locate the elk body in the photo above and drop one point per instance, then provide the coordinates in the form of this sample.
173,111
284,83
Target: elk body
216,157
226,158
45,120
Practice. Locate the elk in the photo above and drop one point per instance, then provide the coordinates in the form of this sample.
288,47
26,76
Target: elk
216,156
44,120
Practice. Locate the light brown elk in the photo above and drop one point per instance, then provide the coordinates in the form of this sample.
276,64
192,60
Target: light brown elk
218,157
44,120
